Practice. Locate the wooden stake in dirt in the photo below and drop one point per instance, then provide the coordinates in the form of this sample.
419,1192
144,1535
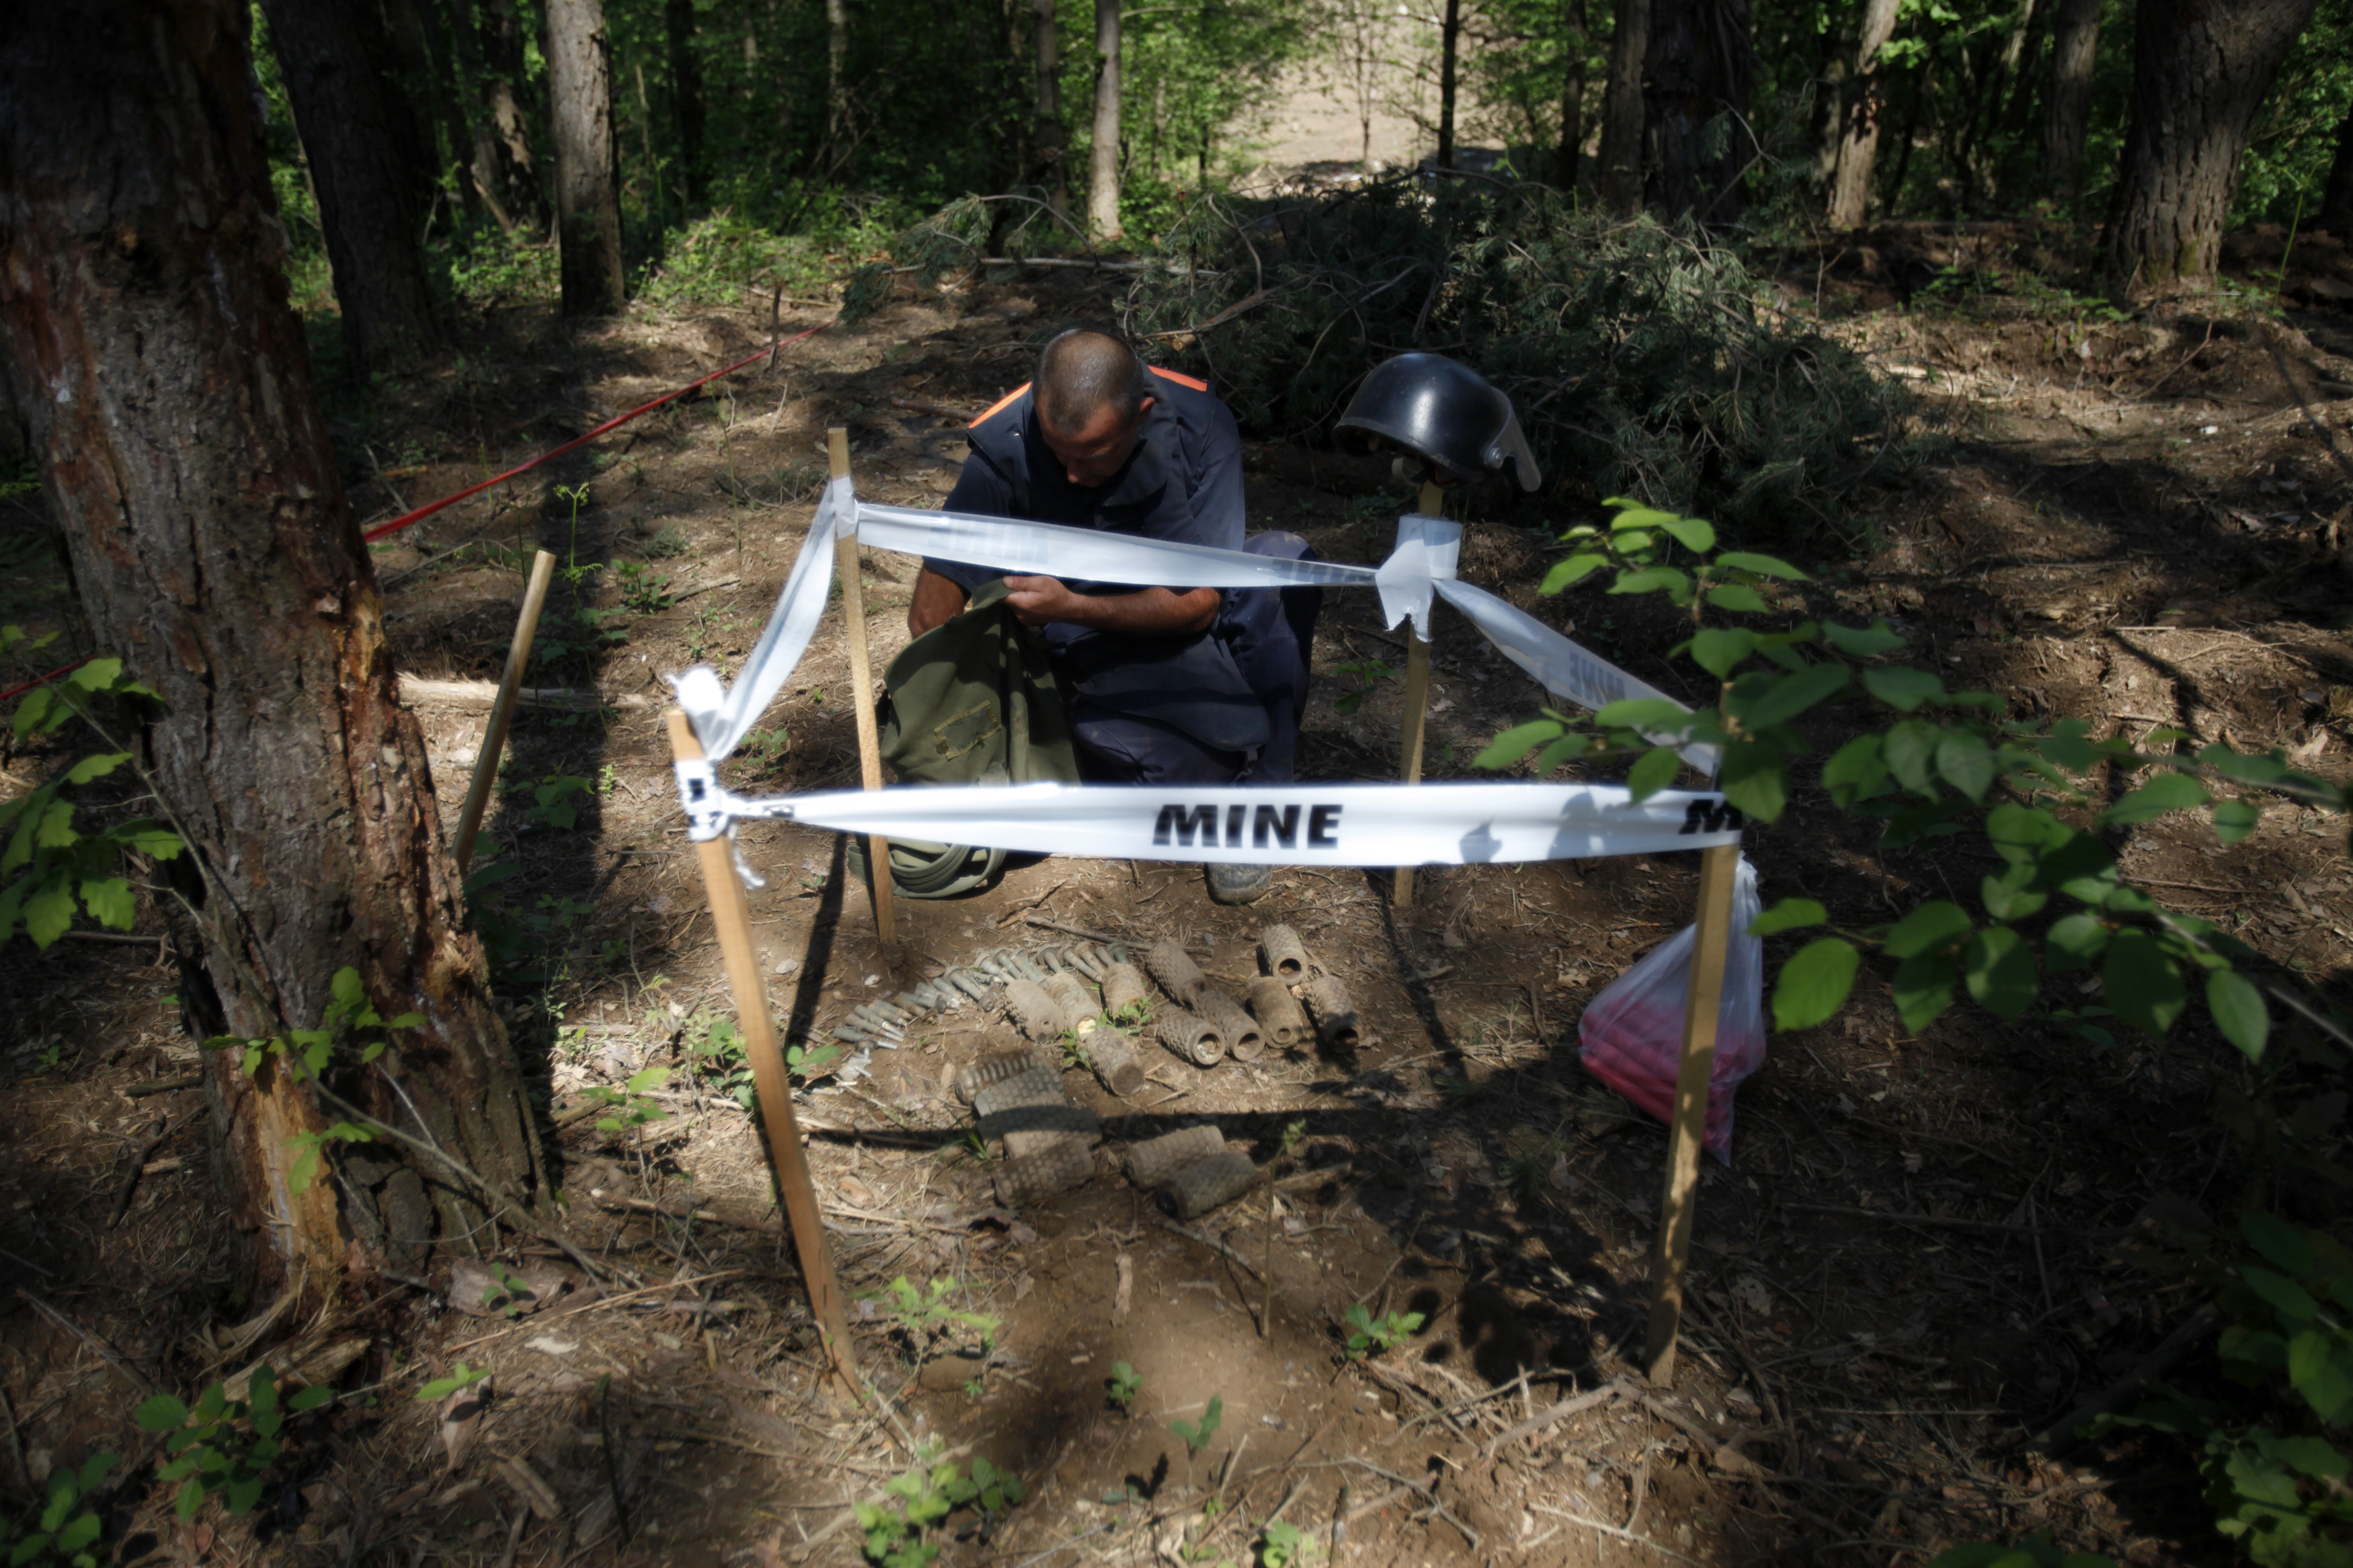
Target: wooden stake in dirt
1701,1006
494,734
732,919
861,686
1417,704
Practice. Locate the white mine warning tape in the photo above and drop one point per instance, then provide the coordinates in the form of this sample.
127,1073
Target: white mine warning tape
1264,825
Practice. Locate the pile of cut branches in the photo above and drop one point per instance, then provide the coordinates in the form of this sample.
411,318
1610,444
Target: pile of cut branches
1642,362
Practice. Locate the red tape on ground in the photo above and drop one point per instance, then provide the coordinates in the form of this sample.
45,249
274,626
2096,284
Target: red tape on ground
398,524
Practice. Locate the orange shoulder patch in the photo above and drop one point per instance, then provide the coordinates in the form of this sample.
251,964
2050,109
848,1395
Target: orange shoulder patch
1180,378
994,409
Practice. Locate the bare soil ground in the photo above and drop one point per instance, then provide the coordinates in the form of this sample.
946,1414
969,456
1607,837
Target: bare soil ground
1906,1274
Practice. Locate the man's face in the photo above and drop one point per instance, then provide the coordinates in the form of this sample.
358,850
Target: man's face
1093,453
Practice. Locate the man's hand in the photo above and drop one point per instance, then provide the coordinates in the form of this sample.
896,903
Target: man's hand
1146,612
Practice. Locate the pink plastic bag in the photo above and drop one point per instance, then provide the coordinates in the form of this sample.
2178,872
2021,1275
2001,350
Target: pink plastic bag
1631,1037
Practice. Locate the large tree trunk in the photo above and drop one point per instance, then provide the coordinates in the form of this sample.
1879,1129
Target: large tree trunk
1050,137
1621,109
688,111
1103,157
587,168
359,141
1576,39
2067,108
1865,103
1701,63
144,316
2336,202
506,171
2200,69
1450,39
837,70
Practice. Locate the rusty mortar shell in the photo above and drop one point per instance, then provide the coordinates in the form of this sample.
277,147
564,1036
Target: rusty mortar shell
1056,1168
1155,1160
1114,1062
907,1002
1335,1015
1038,1086
851,1034
1245,1041
1079,1006
1277,1012
1033,1011
1174,968
1192,1037
966,981
1022,1144
995,1067
1206,1184
1123,987
1023,1126
1279,948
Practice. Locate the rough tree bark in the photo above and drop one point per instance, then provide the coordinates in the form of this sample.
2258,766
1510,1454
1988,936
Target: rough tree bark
837,69
1103,157
505,171
361,143
1575,35
437,112
1859,120
1621,109
143,319
2200,69
1449,40
2067,107
688,110
1697,74
587,167
1050,138
2336,202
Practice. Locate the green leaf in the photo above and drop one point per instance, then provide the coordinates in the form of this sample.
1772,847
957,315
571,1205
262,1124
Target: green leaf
108,900
2279,1242
1855,771
2237,1005
1763,565
1814,984
239,1497
1860,642
1910,750
97,675
2079,865
1904,687
2284,1295
1754,777
1634,514
191,1498
78,1535
2230,764
1516,743
2000,967
47,913
161,1413
1932,926
36,1543
1922,989
95,1470
2011,896
309,1398
1790,914
2165,792
1695,534
2066,746
96,766
1576,569
1739,598
1966,762
1761,698
1653,770
148,837
1719,649
2143,982
1674,583
2018,833
2234,819
1645,713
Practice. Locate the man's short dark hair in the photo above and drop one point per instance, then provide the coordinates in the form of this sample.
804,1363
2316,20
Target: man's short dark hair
1084,371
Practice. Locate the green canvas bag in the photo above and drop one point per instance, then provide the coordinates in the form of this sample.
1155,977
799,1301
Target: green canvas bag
972,700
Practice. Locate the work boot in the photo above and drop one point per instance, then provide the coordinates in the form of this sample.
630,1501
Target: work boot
1240,884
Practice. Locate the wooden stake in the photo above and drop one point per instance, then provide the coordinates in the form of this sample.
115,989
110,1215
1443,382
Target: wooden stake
1416,706
494,734
1702,1006
733,918
861,686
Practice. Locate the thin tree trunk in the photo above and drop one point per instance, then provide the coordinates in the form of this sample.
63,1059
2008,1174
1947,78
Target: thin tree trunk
144,317
837,69
1622,156
1894,189
1103,157
1576,33
1701,62
2067,108
1450,37
506,170
2200,69
434,110
1051,136
587,173
358,140
2336,204
688,110
1859,119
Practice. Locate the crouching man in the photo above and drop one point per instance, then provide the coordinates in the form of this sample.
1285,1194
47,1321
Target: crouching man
1166,684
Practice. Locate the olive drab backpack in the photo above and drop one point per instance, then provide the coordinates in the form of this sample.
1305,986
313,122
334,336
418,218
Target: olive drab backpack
972,700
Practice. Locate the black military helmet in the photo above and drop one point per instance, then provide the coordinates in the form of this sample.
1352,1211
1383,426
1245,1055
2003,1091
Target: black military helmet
1443,410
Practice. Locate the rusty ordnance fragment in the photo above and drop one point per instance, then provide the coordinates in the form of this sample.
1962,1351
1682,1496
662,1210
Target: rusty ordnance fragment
1194,1038
995,1067
1174,968
1038,1086
1017,1123
1114,1061
1279,948
1056,1168
1077,1000
1123,987
1245,1042
1277,1011
1155,1160
1204,1184
1334,1015
1034,1013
